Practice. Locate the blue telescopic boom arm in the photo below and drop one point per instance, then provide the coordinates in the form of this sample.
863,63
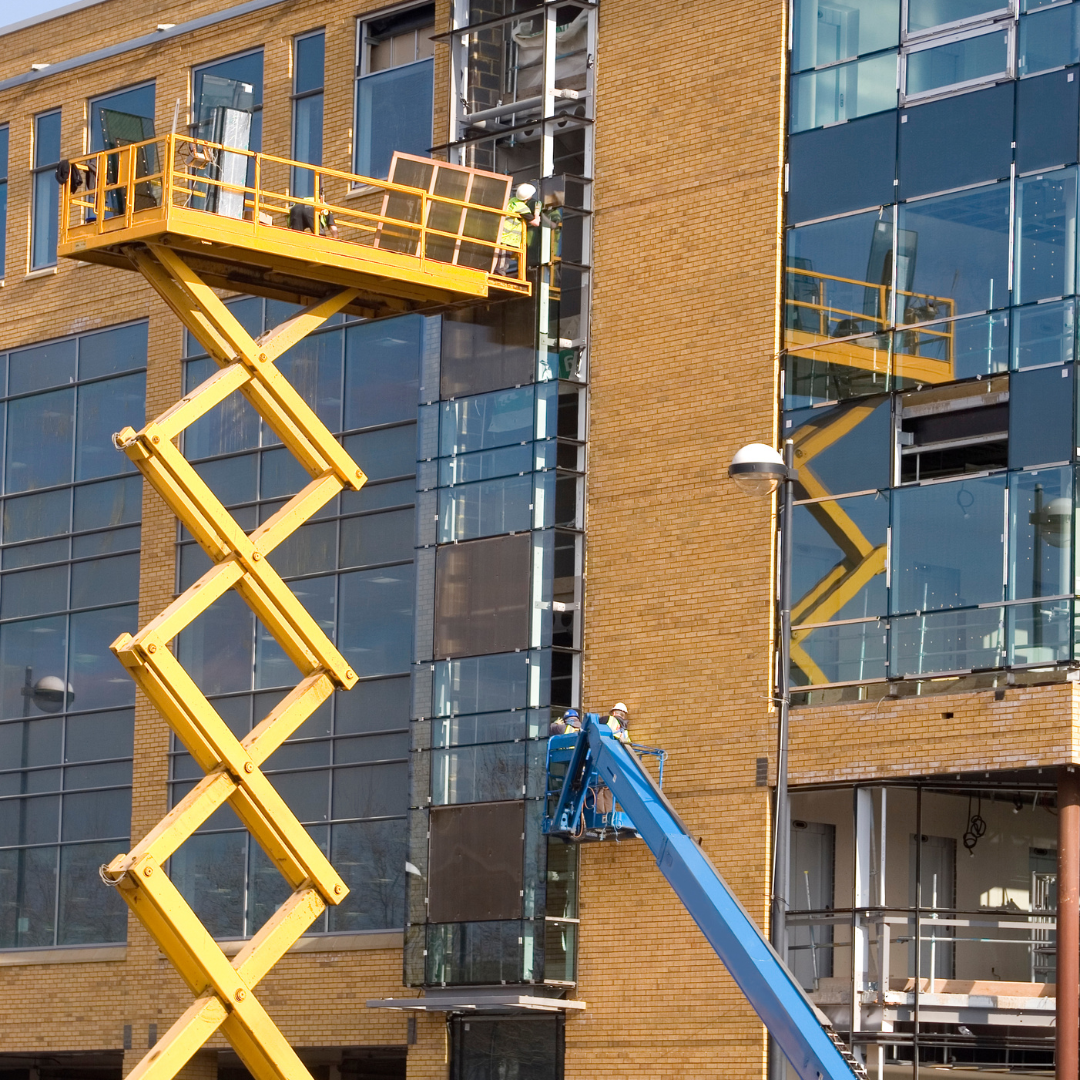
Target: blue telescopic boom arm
760,974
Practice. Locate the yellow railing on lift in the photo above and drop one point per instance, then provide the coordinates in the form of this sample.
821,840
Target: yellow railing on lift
114,190
824,314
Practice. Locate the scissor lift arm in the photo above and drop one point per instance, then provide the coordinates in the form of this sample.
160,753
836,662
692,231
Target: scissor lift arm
751,961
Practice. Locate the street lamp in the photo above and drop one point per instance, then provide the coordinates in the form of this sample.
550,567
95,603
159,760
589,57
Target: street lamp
759,470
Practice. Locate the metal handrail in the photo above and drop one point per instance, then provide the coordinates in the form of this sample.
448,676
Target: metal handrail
181,177
827,311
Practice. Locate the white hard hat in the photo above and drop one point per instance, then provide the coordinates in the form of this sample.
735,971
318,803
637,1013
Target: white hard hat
525,191
619,706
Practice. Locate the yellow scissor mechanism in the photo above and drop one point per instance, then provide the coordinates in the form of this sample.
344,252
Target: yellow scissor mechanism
141,218
861,560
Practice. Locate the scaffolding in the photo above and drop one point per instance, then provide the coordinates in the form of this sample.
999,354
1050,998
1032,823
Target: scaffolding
193,217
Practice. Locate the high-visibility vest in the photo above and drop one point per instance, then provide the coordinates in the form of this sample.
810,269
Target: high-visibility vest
517,210
617,728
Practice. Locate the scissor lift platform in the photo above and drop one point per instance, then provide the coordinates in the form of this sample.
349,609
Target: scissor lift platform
429,243
193,218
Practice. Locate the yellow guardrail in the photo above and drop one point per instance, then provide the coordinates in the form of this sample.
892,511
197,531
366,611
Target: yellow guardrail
823,314
113,190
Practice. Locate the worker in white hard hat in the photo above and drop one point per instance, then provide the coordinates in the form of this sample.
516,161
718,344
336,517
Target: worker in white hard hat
520,210
618,722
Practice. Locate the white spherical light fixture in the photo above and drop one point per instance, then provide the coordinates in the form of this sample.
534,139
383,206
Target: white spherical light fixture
758,469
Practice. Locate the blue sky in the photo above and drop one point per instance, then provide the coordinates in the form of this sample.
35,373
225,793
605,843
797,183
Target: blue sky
13,11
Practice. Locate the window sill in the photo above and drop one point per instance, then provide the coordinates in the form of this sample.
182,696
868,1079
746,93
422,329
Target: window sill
324,943
83,954
363,189
47,271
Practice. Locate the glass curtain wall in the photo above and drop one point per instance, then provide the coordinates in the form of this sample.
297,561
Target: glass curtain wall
501,541
345,772
930,344
69,585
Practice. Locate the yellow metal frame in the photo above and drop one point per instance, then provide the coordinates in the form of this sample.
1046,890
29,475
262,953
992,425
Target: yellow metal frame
162,188
223,989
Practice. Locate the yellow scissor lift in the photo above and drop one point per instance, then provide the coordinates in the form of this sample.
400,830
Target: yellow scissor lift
193,217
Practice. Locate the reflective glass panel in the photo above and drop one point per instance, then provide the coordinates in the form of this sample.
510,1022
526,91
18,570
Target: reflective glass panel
824,33
382,371
847,448
981,123
42,366
838,278
1044,334
954,254
375,631
838,559
393,112
481,684
1039,633
39,444
1040,533
850,652
842,168
844,92
1041,416
925,14
946,641
948,544
947,351
1047,121
479,423
122,118
486,509
833,372
1049,39
969,59
1046,236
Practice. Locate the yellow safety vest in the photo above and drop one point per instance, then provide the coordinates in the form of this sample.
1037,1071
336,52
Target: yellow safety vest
517,210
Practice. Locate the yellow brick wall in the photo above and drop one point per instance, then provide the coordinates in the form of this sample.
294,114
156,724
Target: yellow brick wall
678,615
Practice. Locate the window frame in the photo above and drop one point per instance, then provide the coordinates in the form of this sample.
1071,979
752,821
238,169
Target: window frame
362,71
196,68
36,171
925,44
295,96
5,169
91,101
1007,11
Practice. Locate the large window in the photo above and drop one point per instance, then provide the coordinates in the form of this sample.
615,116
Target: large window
307,130
69,583
45,218
122,118
394,89
345,772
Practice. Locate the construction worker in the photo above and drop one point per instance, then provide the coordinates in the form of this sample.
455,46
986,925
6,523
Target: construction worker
520,211
302,219
567,724
618,722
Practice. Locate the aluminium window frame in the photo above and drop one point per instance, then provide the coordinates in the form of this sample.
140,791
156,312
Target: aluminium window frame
194,70
6,128
361,71
295,96
1009,10
35,171
1006,26
91,101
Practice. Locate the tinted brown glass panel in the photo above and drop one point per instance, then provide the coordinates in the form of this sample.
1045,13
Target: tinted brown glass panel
488,347
475,869
482,596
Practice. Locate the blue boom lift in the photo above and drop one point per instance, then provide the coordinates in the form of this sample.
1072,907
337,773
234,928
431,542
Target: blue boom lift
579,768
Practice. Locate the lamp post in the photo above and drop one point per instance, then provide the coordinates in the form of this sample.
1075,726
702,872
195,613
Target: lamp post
758,469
